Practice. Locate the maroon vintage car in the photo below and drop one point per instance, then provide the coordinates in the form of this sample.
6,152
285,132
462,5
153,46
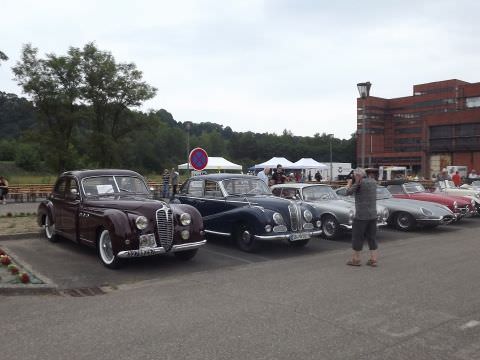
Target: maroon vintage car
113,211
412,190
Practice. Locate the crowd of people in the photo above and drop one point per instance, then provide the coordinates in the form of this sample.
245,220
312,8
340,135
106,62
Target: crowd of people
278,176
456,177
169,178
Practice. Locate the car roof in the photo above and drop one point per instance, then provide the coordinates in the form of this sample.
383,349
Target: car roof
296,185
99,172
224,176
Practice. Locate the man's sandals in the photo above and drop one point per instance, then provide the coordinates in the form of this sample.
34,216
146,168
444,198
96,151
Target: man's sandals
352,262
372,263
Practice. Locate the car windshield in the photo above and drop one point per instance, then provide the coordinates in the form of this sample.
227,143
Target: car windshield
318,193
476,183
413,188
113,185
383,193
250,186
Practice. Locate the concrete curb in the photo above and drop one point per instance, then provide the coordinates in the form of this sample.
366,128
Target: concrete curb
19,236
48,286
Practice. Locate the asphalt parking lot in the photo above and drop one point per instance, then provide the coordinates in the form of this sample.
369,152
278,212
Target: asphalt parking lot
69,265
422,302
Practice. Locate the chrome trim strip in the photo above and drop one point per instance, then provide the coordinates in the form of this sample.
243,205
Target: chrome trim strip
217,233
348,227
285,236
159,250
188,246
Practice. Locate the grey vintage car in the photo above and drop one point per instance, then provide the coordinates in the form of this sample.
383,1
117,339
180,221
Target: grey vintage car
336,214
406,214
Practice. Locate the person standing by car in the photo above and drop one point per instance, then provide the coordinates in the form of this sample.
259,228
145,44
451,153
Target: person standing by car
263,175
279,177
457,180
174,181
3,190
364,225
318,177
165,181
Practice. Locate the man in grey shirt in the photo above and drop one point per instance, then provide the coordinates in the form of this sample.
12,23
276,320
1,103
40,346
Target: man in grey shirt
365,222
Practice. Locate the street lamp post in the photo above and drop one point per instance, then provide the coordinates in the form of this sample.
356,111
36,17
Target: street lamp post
331,163
364,91
188,126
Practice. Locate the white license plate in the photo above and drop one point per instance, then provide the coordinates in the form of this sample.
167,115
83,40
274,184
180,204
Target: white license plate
301,236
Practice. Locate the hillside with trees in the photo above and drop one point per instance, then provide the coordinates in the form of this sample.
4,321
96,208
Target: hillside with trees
82,111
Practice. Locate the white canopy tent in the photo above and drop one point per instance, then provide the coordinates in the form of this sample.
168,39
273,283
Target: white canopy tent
307,163
273,162
215,163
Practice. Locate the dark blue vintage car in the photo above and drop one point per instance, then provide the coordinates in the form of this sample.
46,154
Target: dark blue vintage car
243,207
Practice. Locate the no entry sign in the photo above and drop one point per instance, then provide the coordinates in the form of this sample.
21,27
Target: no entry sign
198,159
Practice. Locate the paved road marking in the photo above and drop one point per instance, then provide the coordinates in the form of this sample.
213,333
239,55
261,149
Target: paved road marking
470,324
407,332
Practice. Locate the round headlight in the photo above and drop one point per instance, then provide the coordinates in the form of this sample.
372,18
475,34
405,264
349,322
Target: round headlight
278,219
141,222
385,214
185,219
426,212
477,195
455,205
307,214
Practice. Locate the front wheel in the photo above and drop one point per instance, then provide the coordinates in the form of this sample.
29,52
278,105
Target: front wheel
105,251
186,255
404,221
330,227
245,239
49,227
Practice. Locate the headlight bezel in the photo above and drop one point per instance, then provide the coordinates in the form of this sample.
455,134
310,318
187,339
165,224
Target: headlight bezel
278,219
141,222
185,219
307,215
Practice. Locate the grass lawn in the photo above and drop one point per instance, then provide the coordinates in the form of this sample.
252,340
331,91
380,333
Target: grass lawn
18,225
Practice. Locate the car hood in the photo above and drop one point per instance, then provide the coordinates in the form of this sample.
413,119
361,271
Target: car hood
333,205
436,197
127,203
413,205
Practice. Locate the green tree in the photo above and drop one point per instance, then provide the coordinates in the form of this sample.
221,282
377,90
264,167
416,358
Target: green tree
53,84
3,57
111,89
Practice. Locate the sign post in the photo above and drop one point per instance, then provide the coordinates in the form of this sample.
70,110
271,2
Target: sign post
198,159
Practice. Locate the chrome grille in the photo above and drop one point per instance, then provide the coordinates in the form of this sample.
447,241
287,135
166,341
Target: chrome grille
295,217
165,228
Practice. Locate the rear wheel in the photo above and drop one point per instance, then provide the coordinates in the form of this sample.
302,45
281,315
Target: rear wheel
49,227
330,227
245,239
404,221
105,251
186,255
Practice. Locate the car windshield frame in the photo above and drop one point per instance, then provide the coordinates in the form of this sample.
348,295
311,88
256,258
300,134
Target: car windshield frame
328,191
249,185
416,185
383,193
112,185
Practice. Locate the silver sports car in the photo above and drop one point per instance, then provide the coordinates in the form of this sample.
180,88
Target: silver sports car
336,214
407,214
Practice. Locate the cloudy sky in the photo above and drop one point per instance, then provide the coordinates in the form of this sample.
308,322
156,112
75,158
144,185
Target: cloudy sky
262,66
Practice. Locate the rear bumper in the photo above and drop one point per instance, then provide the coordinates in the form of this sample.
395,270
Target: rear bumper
160,250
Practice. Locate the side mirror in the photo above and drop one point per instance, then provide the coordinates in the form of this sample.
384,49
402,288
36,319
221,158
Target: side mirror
74,194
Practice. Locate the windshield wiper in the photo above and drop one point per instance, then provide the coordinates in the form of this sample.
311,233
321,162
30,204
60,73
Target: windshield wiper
126,190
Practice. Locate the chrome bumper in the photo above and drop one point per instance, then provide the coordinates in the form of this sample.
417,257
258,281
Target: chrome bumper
346,227
160,250
274,237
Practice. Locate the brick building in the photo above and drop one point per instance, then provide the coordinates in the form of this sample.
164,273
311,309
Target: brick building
438,126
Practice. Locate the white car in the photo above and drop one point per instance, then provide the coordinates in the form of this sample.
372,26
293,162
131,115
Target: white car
448,187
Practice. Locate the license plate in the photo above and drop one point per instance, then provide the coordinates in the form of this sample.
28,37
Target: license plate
301,236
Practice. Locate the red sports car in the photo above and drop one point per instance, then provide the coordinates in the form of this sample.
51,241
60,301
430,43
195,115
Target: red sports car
412,190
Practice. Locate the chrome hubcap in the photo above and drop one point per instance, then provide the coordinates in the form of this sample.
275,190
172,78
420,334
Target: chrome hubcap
106,251
329,227
246,236
403,221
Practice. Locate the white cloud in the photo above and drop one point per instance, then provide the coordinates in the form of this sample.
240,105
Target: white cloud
260,65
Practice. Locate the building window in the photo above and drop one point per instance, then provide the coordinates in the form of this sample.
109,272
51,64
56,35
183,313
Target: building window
473,102
407,141
445,131
413,130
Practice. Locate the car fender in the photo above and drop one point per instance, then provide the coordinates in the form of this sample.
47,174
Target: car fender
45,208
119,226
